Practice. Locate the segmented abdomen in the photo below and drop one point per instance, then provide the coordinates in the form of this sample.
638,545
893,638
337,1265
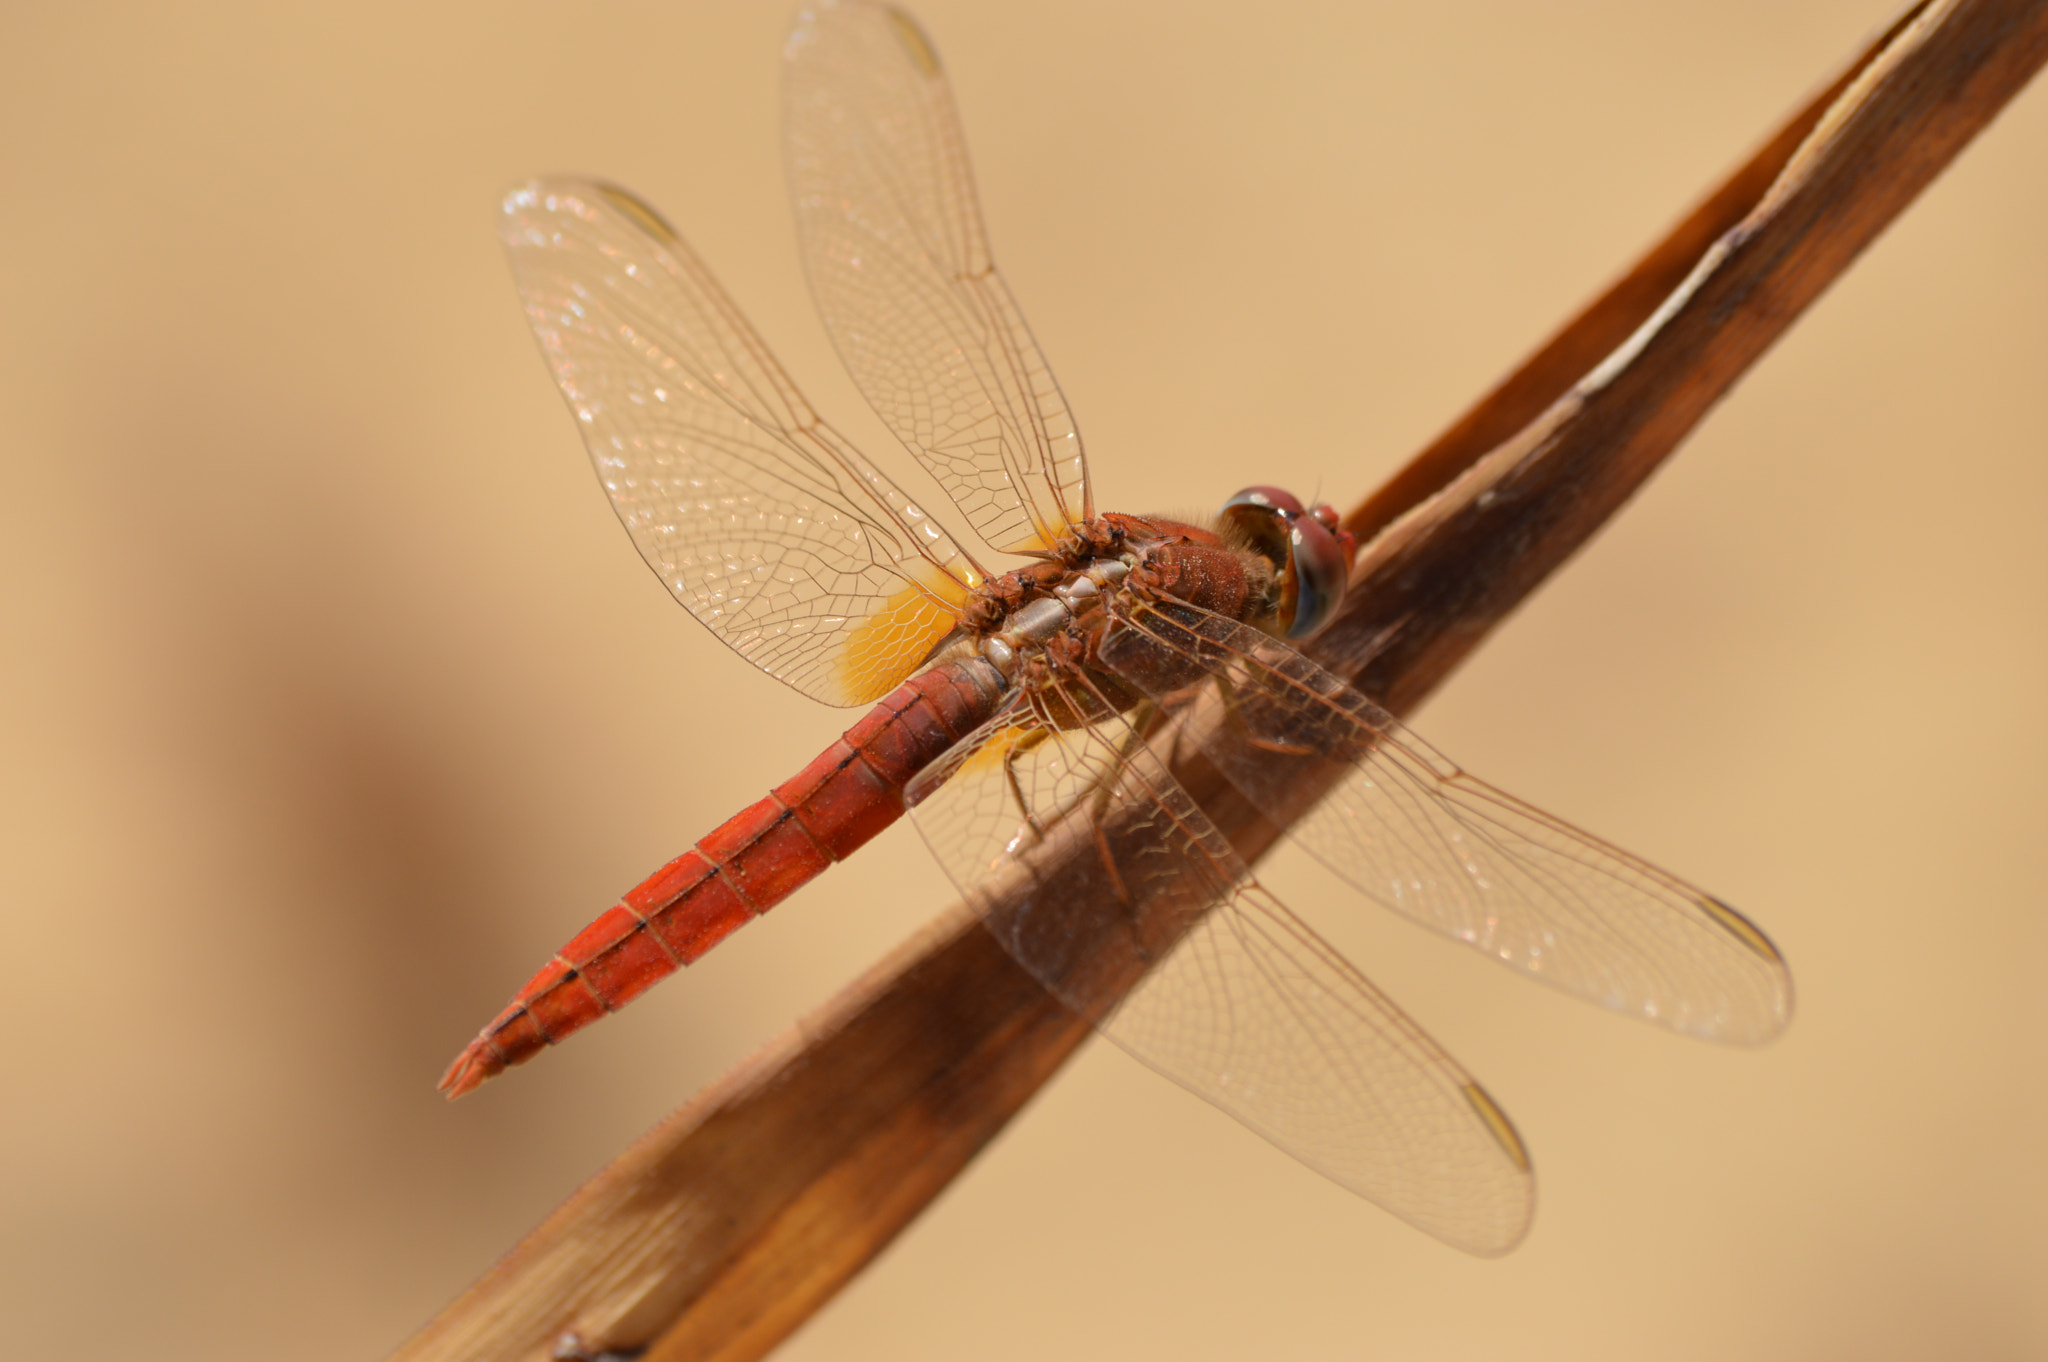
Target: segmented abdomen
754,860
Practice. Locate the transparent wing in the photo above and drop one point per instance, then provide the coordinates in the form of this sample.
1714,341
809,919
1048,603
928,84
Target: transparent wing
900,267
767,525
1101,877
1411,830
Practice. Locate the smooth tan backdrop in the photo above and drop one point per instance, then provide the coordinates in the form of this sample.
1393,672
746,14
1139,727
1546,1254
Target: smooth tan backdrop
334,699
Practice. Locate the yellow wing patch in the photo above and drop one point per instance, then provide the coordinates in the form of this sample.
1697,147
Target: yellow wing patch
997,750
886,647
1042,538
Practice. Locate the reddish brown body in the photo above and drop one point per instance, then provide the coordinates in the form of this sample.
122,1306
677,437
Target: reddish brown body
1196,565
752,862
854,789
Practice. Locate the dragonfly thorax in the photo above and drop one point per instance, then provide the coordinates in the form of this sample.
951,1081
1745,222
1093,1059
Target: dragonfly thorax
1056,614
1024,631
1267,561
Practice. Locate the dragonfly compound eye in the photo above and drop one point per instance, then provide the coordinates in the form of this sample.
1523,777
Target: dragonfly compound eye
1313,560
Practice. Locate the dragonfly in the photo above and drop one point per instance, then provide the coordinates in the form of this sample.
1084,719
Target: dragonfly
1040,687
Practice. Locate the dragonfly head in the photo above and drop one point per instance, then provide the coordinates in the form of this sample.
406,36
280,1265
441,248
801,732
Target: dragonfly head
1310,555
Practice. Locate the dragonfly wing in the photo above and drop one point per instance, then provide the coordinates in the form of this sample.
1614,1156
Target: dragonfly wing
899,264
1408,828
1098,873
766,524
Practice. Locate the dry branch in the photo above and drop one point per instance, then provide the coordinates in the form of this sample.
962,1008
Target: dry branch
726,1226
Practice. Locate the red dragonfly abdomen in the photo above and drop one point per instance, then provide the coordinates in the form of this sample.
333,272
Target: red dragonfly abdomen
754,860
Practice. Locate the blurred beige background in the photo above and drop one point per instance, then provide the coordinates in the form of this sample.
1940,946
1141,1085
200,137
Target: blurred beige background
334,698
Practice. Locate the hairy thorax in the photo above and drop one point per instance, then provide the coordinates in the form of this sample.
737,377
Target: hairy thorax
1043,626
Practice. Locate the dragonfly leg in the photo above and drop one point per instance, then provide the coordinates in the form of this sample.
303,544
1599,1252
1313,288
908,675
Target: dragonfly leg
1145,721
1116,880
1016,749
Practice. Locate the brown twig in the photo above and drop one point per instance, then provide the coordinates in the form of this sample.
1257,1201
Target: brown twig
726,1226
